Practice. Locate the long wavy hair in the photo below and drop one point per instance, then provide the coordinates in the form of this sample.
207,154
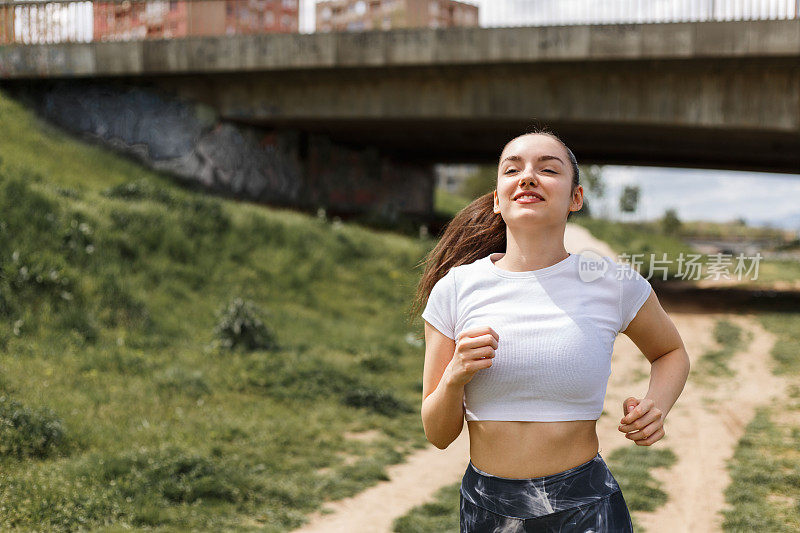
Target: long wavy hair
473,233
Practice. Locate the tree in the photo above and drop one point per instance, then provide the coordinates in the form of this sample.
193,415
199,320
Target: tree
629,199
670,223
591,177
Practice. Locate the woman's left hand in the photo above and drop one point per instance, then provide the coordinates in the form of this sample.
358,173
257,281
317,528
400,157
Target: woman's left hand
643,420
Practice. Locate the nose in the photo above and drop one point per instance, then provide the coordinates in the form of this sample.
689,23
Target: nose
527,179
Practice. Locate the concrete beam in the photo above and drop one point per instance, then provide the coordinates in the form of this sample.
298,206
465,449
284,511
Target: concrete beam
406,47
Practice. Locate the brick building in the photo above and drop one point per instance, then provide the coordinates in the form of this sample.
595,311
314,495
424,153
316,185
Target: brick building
6,24
358,15
164,19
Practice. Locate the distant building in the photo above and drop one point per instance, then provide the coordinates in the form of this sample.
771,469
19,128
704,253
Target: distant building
361,15
166,19
6,24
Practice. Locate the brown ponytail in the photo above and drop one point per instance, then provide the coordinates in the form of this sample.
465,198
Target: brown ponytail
475,232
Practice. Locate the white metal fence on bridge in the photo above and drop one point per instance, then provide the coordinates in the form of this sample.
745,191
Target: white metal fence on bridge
56,21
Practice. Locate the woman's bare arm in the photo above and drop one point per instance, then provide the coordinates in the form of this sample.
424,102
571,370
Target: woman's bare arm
442,407
656,336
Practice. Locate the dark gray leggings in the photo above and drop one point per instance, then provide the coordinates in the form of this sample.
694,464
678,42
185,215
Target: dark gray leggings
585,498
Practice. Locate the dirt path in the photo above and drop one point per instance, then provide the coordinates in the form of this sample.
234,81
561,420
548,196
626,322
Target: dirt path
705,426
702,429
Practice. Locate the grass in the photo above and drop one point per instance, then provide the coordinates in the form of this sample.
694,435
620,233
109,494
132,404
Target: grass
764,493
716,363
632,466
639,238
128,407
765,474
777,270
646,238
440,515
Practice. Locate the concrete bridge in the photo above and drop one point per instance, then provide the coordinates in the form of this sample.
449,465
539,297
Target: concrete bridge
710,94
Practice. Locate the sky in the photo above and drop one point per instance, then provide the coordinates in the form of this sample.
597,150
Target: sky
700,194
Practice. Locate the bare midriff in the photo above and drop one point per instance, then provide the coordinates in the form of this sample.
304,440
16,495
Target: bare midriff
531,449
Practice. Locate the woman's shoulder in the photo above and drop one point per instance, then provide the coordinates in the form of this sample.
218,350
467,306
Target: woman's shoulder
471,271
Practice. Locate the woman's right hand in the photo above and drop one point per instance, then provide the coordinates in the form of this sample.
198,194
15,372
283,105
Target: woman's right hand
474,350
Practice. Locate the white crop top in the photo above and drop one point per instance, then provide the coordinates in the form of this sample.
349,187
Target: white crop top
557,327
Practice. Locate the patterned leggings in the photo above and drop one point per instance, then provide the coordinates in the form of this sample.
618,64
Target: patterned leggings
585,498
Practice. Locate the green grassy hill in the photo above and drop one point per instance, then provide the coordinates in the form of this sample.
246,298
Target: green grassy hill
119,401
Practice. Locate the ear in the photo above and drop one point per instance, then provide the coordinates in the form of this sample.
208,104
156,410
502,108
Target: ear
577,198
496,207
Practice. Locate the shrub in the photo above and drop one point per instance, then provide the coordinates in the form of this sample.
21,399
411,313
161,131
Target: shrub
141,189
25,432
382,402
199,215
34,277
76,239
204,216
240,326
378,363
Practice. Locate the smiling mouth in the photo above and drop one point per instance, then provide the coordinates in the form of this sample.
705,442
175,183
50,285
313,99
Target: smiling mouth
527,199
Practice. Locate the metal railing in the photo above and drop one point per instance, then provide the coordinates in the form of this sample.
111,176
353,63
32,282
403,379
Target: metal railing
56,21
558,12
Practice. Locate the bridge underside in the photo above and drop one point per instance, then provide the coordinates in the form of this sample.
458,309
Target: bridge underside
354,122
716,94
730,113
480,141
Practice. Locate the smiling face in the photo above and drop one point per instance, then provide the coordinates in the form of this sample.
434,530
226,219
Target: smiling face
536,165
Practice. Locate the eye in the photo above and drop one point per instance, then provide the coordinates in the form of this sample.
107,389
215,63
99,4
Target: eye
509,170
551,170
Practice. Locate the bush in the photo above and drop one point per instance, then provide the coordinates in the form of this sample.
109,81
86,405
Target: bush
28,433
199,215
39,274
240,326
378,363
382,402
76,239
204,216
141,189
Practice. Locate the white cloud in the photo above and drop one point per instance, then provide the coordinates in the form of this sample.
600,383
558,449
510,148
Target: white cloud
699,194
